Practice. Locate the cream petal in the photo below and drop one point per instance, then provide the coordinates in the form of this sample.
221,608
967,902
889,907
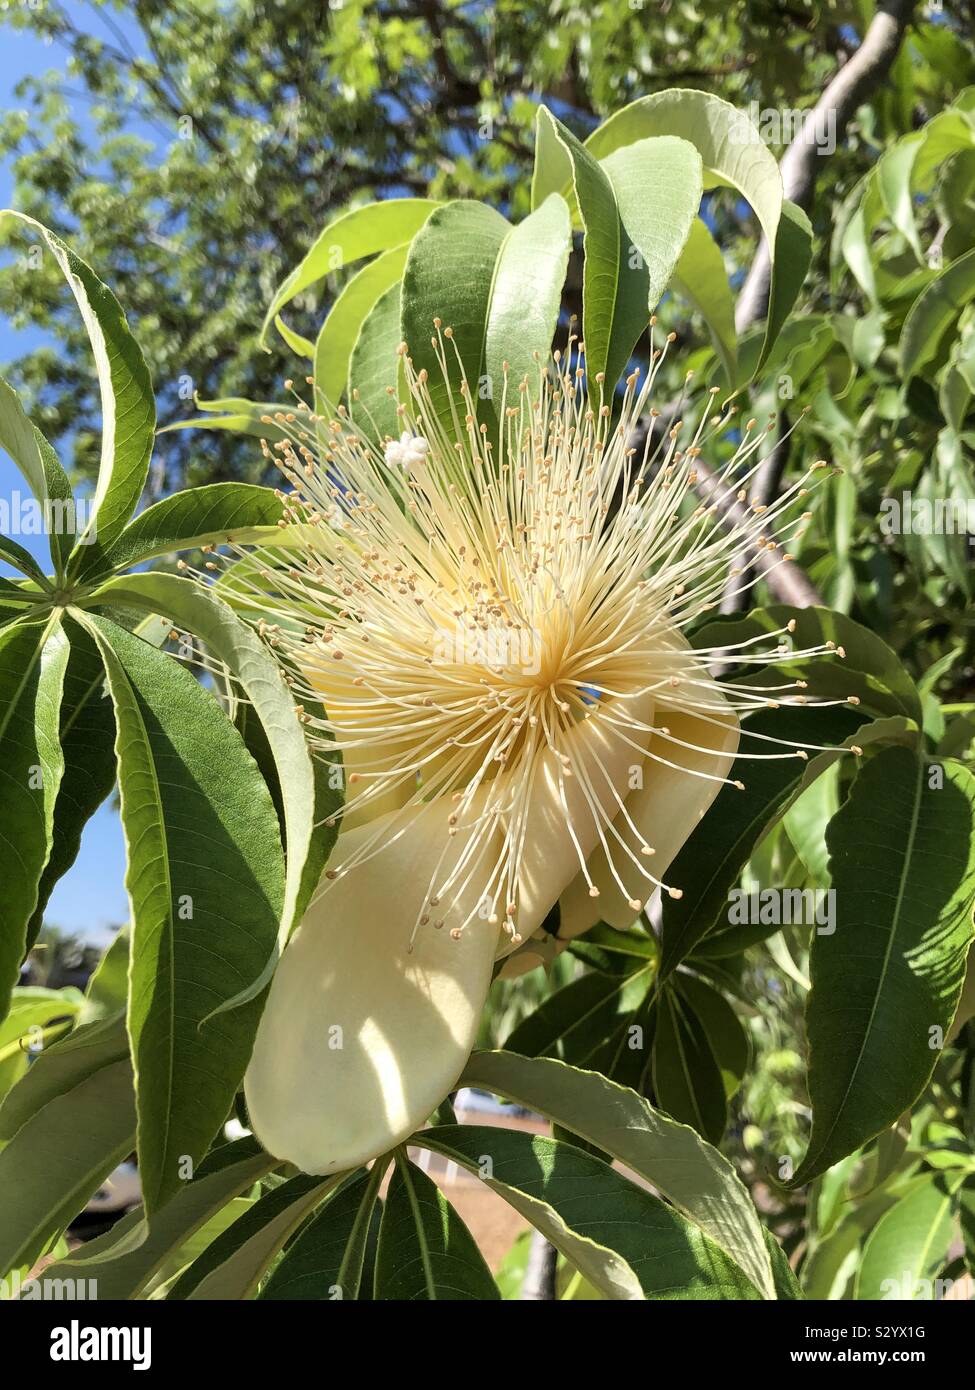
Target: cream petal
665,810
407,1020
550,860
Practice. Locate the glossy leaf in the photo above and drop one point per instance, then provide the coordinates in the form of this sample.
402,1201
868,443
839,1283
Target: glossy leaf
308,801
701,278
933,312
626,1242
687,1080
341,329
326,1261
691,1174
40,465
59,1157
350,237
733,154
206,887
33,657
87,738
426,1253
127,406
893,969
909,1245
226,1172
233,1266
215,515
449,276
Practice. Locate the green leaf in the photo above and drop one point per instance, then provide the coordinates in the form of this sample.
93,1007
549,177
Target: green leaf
326,1260
700,277
87,737
722,1028
374,368
426,1253
205,879
902,860
932,313
33,1010
308,799
710,862
450,275
23,561
350,237
626,1242
613,951
733,155
236,414
341,329
525,297
236,1262
226,1172
59,1068
869,670
909,1244
127,405
108,987
33,658
575,1022
620,288
214,515
59,1157
299,345
687,1080
40,465
685,1170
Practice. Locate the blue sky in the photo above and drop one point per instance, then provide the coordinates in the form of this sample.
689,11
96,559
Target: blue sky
91,897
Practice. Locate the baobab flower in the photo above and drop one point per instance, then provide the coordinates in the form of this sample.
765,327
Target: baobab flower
493,619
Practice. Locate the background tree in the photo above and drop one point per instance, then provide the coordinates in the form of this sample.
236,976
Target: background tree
193,151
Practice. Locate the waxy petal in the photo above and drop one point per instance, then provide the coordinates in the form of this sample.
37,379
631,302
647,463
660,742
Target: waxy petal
361,1038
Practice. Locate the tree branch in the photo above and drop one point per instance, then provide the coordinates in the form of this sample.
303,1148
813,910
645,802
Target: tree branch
853,82
847,90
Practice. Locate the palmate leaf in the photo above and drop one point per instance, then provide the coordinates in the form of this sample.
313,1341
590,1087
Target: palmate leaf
626,1242
630,244
426,1253
309,800
732,154
206,889
329,1259
33,658
40,465
214,515
497,287
699,1181
127,405
886,983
